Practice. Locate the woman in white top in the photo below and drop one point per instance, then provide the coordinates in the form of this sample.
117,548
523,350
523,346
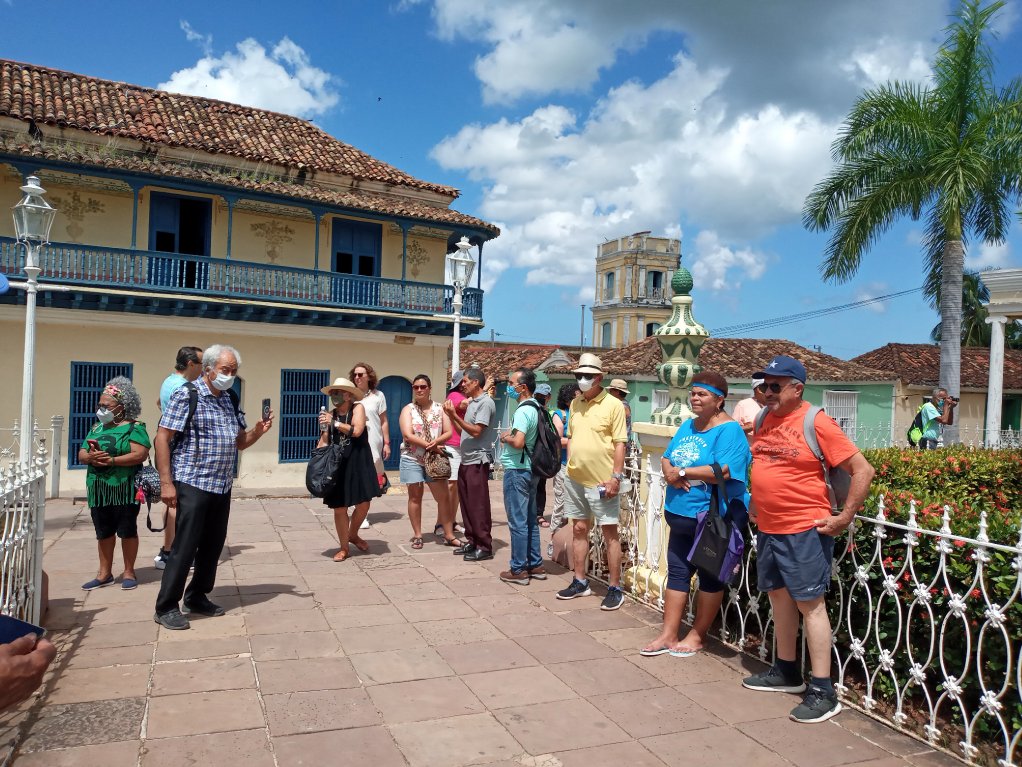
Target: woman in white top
425,427
375,405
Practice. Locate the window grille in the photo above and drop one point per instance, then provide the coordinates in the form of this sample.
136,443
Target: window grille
842,406
661,398
87,381
300,402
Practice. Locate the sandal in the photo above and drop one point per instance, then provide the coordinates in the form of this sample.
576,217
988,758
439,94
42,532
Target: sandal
416,543
454,542
341,555
544,523
438,531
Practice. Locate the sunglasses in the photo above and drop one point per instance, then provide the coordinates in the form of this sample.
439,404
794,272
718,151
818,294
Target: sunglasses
420,387
772,387
359,375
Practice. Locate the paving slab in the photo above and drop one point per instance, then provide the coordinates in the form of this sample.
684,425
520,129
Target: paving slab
122,754
364,745
318,710
420,700
248,747
400,665
455,741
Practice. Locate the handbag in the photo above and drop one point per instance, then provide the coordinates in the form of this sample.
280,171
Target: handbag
324,465
436,464
719,544
148,490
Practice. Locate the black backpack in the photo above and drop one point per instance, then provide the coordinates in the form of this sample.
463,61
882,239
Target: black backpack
546,453
193,402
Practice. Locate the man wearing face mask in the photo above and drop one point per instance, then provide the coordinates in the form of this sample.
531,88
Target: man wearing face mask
937,413
596,459
195,455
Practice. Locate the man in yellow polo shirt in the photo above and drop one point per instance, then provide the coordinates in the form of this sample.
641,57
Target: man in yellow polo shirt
596,459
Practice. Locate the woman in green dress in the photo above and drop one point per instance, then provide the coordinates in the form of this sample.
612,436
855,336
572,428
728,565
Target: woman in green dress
113,450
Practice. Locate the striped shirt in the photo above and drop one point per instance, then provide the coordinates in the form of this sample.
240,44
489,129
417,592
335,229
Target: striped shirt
208,465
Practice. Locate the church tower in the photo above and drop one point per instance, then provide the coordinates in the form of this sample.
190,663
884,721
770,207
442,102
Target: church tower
633,288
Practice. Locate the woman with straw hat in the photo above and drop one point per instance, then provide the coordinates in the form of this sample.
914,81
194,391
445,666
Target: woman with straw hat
356,484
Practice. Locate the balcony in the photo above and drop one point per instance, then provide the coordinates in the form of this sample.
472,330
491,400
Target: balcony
180,284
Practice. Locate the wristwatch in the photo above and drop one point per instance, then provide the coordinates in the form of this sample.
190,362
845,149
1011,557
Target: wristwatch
617,475
681,472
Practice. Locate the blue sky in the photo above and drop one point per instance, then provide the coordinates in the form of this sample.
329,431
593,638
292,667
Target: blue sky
570,121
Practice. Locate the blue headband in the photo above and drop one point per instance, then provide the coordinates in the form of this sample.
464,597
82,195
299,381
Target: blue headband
710,389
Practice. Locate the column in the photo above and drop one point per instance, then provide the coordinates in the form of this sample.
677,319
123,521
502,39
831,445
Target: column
995,383
134,214
230,200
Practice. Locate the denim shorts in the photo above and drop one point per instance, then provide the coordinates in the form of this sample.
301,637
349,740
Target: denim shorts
606,511
412,472
798,562
679,569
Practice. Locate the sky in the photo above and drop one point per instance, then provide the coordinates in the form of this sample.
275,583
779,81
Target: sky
570,122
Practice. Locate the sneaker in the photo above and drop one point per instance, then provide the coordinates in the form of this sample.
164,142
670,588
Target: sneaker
773,680
173,620
538,572
160,560
818,705
576,589
207,608
550,550
614,599
364,525
515,576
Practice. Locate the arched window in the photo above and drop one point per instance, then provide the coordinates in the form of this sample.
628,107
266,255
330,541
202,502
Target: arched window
605,339
651,328
608,286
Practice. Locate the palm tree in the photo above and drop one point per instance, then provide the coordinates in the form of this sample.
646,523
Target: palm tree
975,328
951,149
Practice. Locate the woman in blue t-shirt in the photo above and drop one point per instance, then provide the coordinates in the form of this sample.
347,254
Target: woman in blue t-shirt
711,437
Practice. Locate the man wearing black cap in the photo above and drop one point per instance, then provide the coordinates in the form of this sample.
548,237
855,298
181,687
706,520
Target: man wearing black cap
791,506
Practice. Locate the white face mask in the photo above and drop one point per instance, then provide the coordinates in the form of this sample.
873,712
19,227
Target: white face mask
223,382
584,384
105,416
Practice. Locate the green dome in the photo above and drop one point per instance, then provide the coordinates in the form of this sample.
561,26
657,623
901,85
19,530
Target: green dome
682,283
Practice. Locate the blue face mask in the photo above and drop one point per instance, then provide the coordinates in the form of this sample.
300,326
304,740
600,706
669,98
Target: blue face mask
512,392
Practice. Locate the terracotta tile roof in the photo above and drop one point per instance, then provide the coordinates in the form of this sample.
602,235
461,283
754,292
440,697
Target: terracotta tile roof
499,359
48,96
919,365
356,199
739,358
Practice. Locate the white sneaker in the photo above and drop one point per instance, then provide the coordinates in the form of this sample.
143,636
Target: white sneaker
160,560
365,524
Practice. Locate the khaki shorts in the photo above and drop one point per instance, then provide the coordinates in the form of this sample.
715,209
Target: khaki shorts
606,511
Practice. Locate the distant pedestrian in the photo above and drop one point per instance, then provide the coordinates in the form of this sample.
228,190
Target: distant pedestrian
543,392
478,437
596,459
355,484
460,403
374,404
195,455
187,367
619,389
565,394
936,414
116,445
746,410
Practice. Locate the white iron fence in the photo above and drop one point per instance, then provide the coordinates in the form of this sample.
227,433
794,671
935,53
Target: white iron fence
882,435
50,439
927,624
22,502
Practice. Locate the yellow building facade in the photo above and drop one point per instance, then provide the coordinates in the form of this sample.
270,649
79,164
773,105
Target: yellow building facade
183,221
633,288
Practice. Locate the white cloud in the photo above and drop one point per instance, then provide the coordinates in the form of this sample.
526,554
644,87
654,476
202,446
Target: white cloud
717,267
987,256
205,41
283,80
871,291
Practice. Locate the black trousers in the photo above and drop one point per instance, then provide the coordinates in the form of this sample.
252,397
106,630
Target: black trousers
201,531
540,483
474,497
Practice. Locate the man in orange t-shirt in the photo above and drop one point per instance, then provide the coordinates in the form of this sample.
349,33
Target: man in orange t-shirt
795,543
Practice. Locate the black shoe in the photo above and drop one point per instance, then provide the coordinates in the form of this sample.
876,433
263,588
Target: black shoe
774,680
206,608
818,705
468,548
478,555
173,620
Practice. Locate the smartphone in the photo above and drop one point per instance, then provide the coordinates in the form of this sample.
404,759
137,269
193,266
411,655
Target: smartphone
93,444
12,628
266,409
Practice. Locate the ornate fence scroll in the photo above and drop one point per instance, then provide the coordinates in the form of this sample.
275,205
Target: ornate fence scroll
22,499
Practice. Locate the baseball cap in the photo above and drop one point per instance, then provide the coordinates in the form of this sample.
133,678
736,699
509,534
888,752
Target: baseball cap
544,388
784,367
756,381
456,378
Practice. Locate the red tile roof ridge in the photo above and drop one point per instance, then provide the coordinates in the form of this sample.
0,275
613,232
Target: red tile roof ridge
90,108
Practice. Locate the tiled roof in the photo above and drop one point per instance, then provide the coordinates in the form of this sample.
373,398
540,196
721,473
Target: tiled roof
919,365
48,96
356,199
499,359
739,358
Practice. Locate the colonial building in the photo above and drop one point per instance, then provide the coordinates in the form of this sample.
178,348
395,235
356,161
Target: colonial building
633,288
188,221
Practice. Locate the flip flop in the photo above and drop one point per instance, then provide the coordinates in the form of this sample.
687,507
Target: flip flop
96,583
129,583
682,653
654,651
416,543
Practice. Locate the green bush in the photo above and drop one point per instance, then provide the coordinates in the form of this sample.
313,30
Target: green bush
968,482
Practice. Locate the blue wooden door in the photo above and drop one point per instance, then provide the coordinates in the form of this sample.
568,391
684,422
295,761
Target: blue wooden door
355,246
398,393
179,225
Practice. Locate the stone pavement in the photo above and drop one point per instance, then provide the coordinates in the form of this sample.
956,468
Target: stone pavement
394,657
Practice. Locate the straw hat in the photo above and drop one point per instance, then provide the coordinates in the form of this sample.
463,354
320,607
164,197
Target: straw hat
343,384
620,385
589,363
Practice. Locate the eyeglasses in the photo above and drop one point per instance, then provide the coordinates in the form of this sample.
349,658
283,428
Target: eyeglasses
773,387
359,375
420,387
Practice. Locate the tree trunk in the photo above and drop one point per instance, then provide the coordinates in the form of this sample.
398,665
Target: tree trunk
951,327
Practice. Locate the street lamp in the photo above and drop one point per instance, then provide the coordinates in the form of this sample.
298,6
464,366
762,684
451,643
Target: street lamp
33,217
459,267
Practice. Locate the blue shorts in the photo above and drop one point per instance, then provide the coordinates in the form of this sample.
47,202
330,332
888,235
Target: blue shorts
412,472
798,562
679,569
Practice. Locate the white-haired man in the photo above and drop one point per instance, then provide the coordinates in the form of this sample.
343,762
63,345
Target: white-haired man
200,434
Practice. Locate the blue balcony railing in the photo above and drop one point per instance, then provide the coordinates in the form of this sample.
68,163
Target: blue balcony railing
70,264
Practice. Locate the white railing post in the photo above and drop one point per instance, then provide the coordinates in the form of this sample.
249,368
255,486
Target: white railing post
57,430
